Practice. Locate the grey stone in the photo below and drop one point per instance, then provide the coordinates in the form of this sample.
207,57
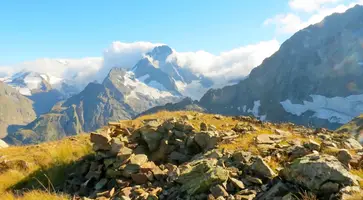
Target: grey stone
218,191
312,145
312,174
261,168
344,156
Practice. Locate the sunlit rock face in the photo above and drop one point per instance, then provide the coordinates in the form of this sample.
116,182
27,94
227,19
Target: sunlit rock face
315,78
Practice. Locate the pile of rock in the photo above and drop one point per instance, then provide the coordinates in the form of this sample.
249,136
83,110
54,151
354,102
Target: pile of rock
172,160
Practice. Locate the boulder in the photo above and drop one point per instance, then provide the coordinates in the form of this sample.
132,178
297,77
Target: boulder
101,141
139,159
151,137
344,157
237,183
206,139
276,191
116,145
218,191
312,145
312,171
242,156
179,157
261,168
297,151
200,175
203,127
183,126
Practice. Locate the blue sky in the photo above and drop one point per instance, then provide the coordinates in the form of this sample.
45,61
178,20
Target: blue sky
74,29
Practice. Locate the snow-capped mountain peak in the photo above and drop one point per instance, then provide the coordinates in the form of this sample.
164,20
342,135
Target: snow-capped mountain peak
29,82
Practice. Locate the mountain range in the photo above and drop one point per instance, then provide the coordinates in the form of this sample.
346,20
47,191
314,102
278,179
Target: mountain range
314,79
123,94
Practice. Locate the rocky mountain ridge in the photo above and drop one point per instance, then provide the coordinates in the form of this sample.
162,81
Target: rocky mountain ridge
120,96
314,79
15,109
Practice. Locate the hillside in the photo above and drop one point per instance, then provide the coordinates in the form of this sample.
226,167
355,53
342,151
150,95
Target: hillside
191,155
15,109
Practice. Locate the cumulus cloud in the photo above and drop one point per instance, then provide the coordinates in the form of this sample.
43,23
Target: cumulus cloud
227,66
292,22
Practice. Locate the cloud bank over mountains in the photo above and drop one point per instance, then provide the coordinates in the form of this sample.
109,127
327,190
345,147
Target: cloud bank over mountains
230,65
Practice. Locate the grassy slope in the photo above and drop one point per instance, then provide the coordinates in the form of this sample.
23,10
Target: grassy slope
47,162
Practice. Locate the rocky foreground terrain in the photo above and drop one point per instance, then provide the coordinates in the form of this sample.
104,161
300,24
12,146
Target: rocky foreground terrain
190,155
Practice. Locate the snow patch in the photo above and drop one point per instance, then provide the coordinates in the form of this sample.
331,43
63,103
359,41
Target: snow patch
254,110
139,88
24,91
336,109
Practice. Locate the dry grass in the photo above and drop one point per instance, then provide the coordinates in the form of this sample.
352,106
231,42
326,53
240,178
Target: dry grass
226,124
308,196
35,195
359,173
46,162
244,142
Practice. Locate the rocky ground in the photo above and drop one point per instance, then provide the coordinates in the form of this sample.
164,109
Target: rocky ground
189,155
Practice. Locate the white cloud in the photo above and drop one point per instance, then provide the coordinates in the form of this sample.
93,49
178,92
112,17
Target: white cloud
84,70
230,65
285,23
126,55
292,22
310,5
